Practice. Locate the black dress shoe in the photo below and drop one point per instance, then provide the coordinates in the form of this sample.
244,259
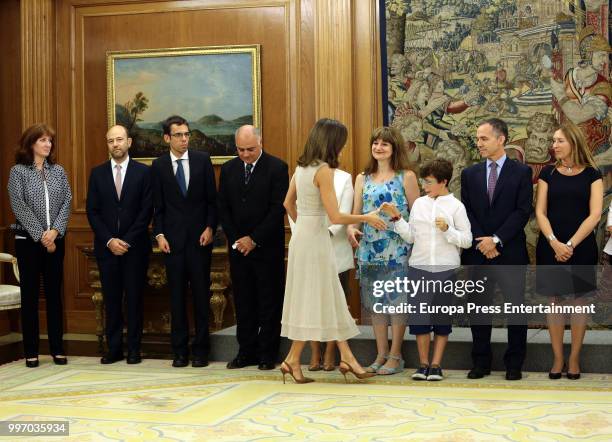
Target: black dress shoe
199,362
60,360
552,375
134,358
478,373
180,361
32,364
573,376
111,358
514,375
266,366
241,362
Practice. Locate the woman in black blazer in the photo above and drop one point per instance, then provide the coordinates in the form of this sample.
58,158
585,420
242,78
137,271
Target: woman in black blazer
40,198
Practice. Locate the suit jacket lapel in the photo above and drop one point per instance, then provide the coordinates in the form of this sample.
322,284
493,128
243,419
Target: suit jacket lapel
129,176
110,179
192,175
506,171
481,180
169,170
256,171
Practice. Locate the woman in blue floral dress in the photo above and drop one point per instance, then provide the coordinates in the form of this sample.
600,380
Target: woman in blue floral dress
382,255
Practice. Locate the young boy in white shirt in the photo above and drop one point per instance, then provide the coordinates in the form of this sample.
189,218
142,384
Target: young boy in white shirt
439,228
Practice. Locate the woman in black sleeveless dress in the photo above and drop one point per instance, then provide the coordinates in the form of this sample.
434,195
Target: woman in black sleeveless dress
568,208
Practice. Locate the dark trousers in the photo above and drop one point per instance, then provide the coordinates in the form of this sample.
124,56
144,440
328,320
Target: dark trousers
511,282
345,282
258,286
190,265
123,276
34,260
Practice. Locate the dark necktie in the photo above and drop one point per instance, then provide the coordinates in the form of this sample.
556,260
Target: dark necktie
247,173
492,181
180,177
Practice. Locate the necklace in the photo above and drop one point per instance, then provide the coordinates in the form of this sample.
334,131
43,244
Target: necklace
568,168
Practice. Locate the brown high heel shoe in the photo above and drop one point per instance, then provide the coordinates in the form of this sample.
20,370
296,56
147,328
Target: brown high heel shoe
286,369
345,370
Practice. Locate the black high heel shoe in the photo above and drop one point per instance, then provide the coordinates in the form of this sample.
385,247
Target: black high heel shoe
32,363
60,360
553,375
573,376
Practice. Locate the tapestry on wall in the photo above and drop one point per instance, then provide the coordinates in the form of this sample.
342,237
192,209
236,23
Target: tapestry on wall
533,63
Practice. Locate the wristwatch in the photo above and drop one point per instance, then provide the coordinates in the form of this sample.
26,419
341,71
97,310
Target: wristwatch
569,244
497,241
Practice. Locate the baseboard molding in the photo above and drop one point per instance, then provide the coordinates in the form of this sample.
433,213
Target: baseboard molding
595,357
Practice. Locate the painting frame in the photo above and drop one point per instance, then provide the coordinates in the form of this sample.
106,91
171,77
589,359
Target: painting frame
253,50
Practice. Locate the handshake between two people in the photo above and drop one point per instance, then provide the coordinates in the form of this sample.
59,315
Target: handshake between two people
391,210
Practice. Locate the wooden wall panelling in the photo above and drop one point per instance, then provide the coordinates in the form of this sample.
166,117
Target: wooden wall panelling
37,62
367,80
10,96
86,29
314,63
334,67
10,115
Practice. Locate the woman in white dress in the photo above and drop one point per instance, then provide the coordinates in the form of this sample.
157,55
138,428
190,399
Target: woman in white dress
315,308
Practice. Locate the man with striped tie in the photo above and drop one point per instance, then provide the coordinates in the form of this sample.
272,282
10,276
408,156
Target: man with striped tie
497,195
184,221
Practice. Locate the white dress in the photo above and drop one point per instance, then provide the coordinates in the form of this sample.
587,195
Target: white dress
314,308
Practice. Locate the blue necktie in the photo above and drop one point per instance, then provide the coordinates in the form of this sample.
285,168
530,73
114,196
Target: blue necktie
180,177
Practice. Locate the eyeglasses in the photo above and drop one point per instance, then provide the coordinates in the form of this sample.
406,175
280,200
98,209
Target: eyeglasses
427,182
179,135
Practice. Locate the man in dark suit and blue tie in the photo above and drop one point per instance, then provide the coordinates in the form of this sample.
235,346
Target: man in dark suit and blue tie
497,195
119,207
184,221
252,188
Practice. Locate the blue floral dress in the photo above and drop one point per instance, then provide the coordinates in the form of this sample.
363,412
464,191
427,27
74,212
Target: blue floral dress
382,254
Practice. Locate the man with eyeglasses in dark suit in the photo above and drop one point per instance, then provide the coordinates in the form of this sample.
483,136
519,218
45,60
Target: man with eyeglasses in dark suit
184,221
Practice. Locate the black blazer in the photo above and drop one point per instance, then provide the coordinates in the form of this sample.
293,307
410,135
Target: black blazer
126,218
254,209
182,219
505,217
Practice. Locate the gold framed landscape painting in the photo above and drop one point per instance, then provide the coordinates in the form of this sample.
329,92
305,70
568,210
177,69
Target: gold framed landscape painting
216,89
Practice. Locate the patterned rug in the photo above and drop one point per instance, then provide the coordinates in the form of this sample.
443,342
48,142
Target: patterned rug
153,401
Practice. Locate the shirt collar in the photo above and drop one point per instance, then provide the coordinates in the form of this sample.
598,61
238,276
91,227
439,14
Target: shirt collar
500,162
123,165
441,197
254,162
184,157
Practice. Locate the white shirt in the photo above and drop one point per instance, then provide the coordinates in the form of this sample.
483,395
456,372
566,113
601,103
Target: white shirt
343,185
184,163
432,247
608,248
123,169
